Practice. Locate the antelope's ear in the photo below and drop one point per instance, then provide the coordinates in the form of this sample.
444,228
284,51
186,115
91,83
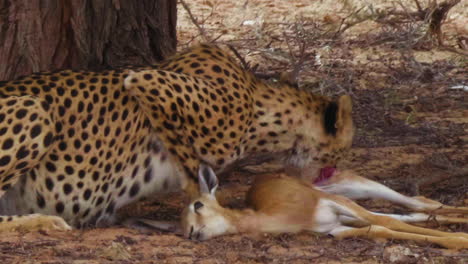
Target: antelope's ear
207,180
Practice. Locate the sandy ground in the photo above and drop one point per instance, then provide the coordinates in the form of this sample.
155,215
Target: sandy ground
411,132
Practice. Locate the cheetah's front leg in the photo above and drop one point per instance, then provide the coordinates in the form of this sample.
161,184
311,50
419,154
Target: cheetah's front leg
158,100
187,162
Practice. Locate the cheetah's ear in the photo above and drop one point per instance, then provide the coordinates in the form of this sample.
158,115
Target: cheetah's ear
345,107
337,115
207,180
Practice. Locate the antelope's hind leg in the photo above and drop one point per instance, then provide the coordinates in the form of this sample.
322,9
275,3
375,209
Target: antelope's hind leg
378,232
384,226
353,186
409,218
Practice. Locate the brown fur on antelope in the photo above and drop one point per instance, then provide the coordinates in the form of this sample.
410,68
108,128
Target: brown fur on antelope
282,204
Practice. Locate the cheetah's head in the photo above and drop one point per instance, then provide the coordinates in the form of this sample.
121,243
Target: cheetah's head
322,141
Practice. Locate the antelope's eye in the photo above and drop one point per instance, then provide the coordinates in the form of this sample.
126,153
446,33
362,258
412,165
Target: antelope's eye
197,205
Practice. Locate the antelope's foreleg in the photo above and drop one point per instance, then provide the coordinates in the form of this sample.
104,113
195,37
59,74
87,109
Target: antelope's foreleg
353,186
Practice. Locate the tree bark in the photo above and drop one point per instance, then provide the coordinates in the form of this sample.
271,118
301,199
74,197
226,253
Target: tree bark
39,35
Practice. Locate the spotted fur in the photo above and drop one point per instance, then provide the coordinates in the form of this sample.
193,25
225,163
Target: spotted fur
80,144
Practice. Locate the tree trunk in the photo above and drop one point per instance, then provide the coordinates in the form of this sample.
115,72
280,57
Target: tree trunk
39,35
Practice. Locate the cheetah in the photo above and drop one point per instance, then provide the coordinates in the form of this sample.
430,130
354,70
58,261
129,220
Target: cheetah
75,146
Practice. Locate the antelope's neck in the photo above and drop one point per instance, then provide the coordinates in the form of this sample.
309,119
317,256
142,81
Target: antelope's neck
242,221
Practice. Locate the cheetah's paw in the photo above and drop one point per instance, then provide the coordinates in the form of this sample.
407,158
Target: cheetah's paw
35,222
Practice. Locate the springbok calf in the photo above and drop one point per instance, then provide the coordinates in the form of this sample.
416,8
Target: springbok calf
282,204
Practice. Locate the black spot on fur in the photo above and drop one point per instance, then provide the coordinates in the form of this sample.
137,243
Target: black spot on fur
148,76
22,153
49,184
35,131
134,190
87,194
40,200
50,167
49,138
76,208
7,144
5,160
59,207
148,174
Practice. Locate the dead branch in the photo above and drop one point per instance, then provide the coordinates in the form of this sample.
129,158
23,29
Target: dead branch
434,15
194,21
348,25
299,64
299,38
418,5
437,17
292,76
244,64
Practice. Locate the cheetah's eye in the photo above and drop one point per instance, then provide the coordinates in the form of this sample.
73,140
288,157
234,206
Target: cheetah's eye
197,205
